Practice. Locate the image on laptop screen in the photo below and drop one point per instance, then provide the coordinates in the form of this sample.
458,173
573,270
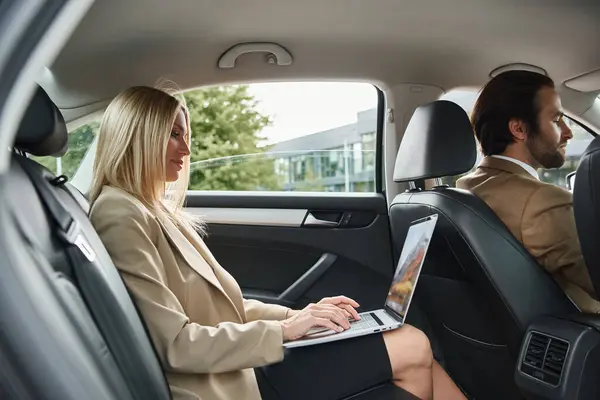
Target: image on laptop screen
409,265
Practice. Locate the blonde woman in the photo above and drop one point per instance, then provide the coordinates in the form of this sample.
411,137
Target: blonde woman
214,344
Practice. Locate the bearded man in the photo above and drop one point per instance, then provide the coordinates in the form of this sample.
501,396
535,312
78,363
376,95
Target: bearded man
519,125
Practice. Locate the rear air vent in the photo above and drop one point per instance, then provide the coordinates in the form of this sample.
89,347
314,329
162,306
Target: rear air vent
536,350
555,357
544,358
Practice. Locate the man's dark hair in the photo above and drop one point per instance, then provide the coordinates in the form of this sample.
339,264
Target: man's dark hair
509,95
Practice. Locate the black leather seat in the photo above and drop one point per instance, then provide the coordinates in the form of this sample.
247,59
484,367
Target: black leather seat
586,206
479,288
95,340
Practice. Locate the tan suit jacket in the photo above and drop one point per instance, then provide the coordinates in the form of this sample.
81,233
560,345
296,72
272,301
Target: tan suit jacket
207,336
539,215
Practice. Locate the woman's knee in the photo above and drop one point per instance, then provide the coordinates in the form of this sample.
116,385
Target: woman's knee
408,348
419,342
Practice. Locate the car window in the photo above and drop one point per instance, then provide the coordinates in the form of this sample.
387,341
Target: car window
289,136
575,148
80,140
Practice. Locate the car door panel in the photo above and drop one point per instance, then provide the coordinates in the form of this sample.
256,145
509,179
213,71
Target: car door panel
293,249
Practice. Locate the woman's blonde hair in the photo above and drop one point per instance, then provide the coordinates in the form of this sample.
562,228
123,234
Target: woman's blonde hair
131,152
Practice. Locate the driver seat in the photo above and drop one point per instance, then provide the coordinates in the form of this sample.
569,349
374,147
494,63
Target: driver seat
479,287
586,207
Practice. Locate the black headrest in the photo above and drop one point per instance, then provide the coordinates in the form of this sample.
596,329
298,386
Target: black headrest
586,207
43,131
438,142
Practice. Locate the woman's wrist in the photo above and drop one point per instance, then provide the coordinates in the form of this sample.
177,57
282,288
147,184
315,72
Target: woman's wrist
290,313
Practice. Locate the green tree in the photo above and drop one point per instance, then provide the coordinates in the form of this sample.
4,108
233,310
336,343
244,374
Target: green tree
225,152
79,142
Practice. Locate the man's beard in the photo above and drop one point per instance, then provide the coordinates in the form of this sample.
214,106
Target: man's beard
546,154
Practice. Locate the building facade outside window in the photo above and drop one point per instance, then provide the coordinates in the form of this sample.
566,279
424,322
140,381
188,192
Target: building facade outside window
339,160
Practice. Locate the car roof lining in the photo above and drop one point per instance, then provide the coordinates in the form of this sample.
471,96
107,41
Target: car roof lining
433,42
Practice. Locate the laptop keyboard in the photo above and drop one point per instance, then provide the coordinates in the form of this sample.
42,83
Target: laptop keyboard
366,321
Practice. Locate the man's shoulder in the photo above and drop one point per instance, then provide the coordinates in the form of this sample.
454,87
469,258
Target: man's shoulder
501,184
495,179
548,193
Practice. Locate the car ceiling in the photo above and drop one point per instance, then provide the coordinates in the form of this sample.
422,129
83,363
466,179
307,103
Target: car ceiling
445,43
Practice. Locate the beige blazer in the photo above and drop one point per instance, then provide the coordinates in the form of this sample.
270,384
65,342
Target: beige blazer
539,215
207,336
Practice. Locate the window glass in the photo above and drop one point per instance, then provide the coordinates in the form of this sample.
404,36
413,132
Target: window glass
575,148
290,136
80,140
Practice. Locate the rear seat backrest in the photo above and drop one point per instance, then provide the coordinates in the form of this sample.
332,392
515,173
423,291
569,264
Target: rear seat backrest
93,288
50,346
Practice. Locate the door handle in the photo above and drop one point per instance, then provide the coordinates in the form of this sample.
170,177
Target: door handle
311,220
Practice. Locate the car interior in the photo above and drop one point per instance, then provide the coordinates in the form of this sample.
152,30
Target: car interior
498,323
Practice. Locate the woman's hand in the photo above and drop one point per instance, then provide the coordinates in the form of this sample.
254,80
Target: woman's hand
347,304
326,313
314,315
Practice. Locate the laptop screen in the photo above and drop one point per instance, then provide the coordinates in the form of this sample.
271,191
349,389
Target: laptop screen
410,263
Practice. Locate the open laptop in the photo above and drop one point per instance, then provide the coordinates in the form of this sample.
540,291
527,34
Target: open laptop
404,283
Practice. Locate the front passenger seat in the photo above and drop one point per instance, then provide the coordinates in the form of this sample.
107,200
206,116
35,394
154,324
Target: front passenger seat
480,288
